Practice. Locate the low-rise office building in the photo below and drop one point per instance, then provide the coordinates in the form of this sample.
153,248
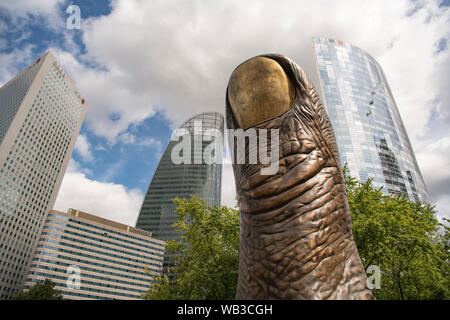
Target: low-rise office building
89,257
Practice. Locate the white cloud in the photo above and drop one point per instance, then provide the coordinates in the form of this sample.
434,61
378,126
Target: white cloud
74,166
83,148
23,11
24,7
9,61
112,107
108,200
100,147
177,56
149,142
127,138
228,187
413,69
434,157
442,207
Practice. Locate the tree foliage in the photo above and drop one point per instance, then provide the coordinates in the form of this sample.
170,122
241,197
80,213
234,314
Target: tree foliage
206,259
40,291
400,236
403,238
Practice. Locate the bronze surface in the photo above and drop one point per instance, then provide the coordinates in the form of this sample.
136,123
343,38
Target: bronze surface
261,90
296,240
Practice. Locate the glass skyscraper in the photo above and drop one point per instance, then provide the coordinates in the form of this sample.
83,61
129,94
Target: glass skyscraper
172,180
369,130
41,113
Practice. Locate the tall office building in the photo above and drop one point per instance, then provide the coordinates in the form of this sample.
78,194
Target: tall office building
89,257
41,113
172,180
368,127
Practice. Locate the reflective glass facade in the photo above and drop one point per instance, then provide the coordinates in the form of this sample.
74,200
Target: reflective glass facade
367,124
40,116
113,261
172,180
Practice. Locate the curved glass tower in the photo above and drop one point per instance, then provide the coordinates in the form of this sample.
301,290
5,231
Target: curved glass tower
172,180
367,124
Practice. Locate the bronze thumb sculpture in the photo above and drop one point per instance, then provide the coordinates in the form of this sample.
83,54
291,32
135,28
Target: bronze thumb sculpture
296,240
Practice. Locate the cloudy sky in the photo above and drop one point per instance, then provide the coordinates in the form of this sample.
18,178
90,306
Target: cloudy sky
146,66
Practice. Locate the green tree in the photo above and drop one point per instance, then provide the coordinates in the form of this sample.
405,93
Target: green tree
400,236
40,291
403,238
206,259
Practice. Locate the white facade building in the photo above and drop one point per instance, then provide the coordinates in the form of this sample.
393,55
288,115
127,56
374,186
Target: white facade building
41,113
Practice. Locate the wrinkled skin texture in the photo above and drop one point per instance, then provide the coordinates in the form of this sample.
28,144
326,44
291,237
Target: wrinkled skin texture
296,239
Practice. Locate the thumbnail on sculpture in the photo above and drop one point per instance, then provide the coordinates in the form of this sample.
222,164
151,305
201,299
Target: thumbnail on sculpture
296,239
